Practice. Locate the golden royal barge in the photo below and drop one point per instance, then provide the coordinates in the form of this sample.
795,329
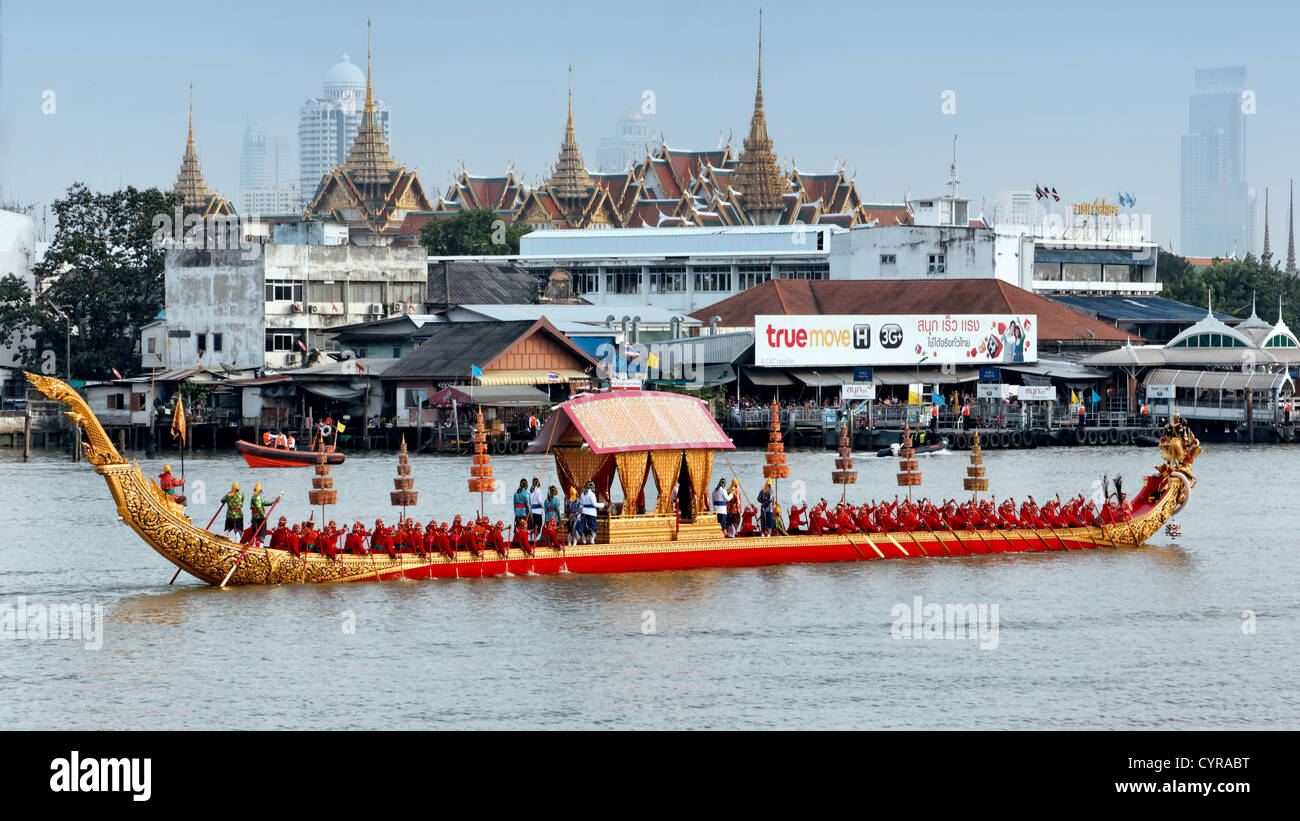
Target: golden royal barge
637,436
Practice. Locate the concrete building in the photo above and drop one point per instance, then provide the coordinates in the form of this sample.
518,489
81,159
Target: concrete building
271,309
1217,213
268,174
327,125
17,256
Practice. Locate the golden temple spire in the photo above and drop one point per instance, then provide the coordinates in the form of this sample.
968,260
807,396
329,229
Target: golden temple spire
758,177
570,179
369,161
189,182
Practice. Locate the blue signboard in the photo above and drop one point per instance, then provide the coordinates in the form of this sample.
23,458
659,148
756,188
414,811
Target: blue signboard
988,374
863,374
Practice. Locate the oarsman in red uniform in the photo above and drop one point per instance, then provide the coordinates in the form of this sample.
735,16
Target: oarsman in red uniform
443,538
292,541
307,537
327,541
496,537
817,518
382,539
280,536
522,541
747,521
796,518
170,483
551,535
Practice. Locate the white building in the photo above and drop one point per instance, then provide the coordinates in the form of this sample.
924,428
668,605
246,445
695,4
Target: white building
268,174
236,309
327,125
629,143
17,256
1016,209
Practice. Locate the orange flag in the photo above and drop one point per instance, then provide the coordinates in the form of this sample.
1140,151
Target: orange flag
178,419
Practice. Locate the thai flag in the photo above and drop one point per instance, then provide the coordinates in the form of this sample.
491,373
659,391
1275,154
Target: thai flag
552,376
1055,195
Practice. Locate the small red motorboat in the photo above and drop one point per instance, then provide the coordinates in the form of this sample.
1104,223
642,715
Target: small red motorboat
260,456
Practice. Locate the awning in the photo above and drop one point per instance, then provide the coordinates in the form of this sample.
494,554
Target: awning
339,393
768,377
824,378
706,376
930,376
531,377
1057,369
1220,380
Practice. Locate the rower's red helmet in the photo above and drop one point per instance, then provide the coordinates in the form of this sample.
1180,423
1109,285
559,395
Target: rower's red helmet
501,525
331,524
283,521
379,521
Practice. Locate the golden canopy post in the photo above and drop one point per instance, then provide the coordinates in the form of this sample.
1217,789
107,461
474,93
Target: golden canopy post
402,495
776,469
909,475
975,480
844,474
480,473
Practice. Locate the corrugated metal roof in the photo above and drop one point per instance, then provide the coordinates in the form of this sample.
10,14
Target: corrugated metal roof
1219,380
1139,309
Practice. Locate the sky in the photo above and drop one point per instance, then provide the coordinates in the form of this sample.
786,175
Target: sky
1088,98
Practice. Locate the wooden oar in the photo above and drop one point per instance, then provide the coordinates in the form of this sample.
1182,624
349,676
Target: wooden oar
178,572
891,538
256,534
215,515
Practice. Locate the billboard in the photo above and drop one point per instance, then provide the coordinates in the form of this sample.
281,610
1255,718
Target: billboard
1037,393
858,391
839,340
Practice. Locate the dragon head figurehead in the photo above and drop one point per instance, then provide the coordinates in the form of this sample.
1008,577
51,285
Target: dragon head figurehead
98,447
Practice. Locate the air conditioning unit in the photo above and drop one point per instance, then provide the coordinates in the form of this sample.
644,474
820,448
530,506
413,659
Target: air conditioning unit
397,307
376,308
314,309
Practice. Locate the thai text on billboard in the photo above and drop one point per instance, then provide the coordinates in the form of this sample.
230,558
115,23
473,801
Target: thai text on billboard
836,340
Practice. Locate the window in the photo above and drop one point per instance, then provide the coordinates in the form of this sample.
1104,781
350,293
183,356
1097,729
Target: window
407,293
216,343
751,275
137,401
153,344
366,293
331,292
281,341
936,264
585,280
667,279
804,270
283,291
711,278
888,259
622,280
1280,341
116,401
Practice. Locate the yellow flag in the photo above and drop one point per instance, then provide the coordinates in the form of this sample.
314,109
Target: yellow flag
342,427
653,360
1074,397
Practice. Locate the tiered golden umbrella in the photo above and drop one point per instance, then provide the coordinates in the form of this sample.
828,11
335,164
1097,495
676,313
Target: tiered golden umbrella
480,474
402,495
776,468
975,480
844,474
322,485
909,472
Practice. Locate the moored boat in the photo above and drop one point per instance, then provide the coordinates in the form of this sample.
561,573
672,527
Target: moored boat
260,456
635,435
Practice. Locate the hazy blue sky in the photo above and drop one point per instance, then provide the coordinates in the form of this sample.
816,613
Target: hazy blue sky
1088,97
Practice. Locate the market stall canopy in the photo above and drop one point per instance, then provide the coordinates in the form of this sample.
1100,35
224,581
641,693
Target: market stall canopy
825,378
531,377
909,376
1057,369
632,420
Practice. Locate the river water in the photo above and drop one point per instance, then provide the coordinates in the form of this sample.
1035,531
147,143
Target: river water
1188,633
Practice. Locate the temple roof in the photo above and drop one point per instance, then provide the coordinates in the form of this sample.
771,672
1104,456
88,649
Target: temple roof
634,420
758,177
191,186
570,180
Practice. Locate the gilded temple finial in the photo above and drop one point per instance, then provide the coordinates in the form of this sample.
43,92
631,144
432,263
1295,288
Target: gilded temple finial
758,177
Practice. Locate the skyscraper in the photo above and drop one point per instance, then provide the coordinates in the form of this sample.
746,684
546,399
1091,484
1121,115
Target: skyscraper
1217,214
267,174
327,125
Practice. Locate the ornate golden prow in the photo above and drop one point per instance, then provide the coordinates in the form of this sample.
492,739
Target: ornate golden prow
98,447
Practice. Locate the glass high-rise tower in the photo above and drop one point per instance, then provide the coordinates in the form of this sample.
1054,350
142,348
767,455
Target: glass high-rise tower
1217,205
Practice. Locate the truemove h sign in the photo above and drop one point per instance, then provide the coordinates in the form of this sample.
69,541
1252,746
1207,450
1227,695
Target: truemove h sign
894,339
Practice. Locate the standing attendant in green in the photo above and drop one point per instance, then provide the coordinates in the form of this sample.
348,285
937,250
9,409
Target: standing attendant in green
552,506
234,502
257,507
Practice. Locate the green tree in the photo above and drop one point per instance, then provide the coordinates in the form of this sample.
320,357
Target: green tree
103,272
472,232
1234,283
